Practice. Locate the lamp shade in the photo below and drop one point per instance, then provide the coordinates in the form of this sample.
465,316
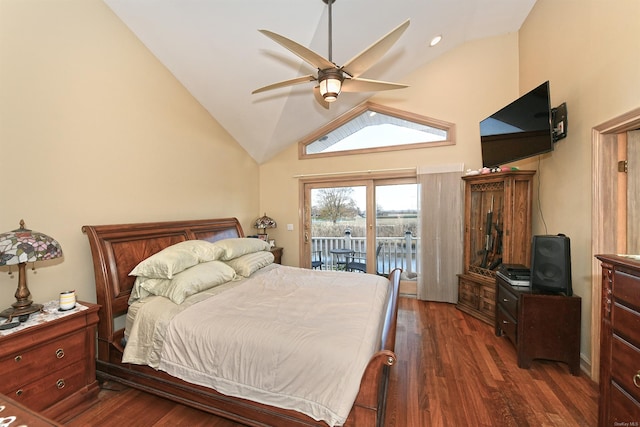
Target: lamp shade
265,222
330,82
20,247
24,245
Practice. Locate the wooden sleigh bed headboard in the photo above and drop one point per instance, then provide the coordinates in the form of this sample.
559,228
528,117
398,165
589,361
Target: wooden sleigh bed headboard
117,249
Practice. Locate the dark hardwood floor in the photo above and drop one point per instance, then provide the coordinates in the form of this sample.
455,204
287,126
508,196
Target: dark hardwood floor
452,371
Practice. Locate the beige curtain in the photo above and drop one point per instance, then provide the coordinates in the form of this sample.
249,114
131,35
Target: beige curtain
441,232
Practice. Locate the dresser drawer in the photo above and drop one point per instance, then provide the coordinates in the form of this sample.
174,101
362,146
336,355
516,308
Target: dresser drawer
51,388
625,365
624,409
27,366
626,323
626,288
508,301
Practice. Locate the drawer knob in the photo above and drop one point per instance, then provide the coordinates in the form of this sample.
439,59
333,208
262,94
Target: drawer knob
59,353
504,322
636,379
18,358
505,300
19,392
60,384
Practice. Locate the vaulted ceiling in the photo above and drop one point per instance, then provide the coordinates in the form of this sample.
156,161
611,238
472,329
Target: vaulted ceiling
214,49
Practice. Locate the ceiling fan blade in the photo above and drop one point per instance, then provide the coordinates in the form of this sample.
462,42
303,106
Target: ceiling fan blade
364,60
319,98
366,85
304,53
291,82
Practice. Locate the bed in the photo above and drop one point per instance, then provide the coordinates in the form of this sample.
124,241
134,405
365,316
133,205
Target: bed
117,249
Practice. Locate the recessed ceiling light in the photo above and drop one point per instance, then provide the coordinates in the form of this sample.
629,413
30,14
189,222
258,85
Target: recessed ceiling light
435,40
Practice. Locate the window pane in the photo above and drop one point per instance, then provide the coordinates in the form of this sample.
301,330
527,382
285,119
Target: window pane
372,129
397,228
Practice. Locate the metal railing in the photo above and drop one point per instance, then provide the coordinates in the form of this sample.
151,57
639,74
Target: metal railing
391,252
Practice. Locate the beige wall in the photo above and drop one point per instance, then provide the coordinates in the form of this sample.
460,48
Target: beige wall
589,50
94,130
462,87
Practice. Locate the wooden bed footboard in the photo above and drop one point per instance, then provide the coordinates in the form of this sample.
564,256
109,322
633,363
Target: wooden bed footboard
116,249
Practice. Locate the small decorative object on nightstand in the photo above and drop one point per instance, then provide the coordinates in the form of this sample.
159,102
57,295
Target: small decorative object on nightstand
20,247
277,254
262,224
51,361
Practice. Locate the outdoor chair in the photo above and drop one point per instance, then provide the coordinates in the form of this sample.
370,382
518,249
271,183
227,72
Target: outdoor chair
358,261
316,260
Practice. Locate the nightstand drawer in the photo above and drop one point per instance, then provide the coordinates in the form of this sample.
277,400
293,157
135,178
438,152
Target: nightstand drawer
508,301
51,388
507,324
26,366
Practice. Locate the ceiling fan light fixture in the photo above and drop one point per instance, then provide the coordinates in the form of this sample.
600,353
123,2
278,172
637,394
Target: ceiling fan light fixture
330,84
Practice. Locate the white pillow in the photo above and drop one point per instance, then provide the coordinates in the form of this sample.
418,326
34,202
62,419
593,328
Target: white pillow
247,264
198,278
176,258
239,246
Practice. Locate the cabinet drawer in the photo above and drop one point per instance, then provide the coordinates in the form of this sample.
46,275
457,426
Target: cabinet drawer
467,293
51,388
487,300
626,323
625,365
27,366
626,288
508,301
507,324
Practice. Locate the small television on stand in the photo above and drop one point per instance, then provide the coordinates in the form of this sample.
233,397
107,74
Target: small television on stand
524,128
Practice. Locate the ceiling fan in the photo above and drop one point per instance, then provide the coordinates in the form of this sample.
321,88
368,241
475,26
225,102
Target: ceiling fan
333,79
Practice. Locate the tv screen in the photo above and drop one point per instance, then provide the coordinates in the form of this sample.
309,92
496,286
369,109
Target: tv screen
521,129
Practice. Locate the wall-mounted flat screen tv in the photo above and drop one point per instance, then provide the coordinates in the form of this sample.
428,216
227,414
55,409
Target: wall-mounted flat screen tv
521,129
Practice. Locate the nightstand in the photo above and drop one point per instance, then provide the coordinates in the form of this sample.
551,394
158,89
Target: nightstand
540,326
49,362
277,254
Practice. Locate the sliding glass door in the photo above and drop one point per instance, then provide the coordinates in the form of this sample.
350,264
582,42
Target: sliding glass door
364,225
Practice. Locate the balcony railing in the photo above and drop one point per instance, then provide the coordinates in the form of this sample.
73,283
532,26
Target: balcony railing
392,252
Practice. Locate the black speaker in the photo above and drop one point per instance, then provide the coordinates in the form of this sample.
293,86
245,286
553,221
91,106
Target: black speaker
551,264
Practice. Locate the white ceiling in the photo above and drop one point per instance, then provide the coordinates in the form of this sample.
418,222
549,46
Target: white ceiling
214,49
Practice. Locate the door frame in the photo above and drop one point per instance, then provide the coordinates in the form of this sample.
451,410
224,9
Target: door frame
607,210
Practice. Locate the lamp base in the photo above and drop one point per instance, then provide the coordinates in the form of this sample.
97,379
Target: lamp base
12,312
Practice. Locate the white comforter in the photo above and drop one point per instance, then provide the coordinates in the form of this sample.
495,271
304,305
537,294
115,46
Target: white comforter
287,337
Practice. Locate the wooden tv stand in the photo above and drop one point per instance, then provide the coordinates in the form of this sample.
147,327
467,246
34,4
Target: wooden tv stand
541,326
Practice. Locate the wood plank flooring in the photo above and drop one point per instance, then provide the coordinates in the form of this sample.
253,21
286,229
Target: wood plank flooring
452,371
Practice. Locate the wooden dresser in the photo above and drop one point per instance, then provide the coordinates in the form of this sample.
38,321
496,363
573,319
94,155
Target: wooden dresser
48,365
541,326
620,342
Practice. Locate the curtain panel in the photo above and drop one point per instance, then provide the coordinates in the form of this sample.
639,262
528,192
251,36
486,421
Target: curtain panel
441,231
